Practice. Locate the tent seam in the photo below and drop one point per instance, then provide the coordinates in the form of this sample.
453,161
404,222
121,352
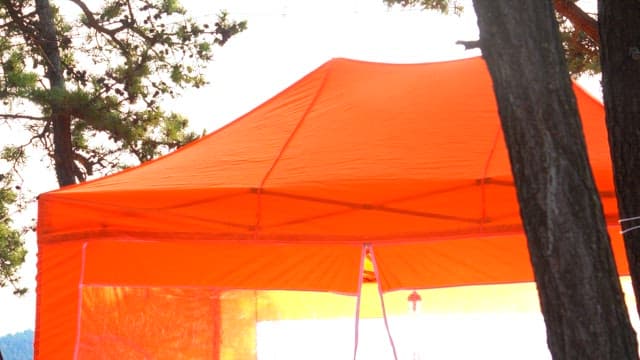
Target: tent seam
298,126
284,148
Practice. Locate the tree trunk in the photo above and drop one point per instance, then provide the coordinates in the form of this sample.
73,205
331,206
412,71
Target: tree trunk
620,59
60,118
580,294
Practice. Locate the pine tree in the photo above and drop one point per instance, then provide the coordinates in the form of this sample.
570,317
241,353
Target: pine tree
88,91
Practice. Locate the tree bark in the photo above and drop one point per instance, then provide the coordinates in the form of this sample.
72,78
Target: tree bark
620,61
580,294
60,118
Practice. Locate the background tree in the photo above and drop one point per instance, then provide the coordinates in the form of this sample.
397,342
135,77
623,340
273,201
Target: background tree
620,56
88,91
105,74
579,35
578,30
580,295
17,346
12,250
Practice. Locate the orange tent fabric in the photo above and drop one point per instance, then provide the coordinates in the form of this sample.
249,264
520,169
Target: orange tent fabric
404,162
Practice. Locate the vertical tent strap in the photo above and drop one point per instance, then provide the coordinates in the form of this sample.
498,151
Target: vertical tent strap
376,271
76,348
363,255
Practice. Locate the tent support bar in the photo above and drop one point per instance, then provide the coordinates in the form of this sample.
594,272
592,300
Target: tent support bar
373,207
283,149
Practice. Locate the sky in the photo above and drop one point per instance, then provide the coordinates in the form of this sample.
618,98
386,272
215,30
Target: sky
285,40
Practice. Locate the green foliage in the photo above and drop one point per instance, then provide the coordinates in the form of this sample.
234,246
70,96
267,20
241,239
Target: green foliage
12,250
15,75
17,346
111,11
119,60
443,6
172,6
16,81
581,52
14,155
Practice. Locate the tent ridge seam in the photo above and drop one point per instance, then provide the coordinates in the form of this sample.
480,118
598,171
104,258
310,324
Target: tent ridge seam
285,146
295,129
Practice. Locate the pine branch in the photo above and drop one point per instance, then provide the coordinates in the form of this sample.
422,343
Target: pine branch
580,19
13,22
22,116
468,45
96,25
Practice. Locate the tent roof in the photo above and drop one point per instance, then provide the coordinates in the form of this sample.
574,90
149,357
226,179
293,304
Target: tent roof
353,153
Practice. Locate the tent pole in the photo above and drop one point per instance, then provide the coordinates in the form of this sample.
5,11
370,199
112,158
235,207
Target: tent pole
363,255
76,348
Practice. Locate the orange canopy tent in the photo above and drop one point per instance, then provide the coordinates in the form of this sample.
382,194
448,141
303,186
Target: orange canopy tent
404,165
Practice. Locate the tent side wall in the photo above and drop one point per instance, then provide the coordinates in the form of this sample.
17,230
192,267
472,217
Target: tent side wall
121,296
481,260
59,271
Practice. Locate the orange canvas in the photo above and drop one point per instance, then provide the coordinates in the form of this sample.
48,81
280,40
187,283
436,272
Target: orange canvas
403,164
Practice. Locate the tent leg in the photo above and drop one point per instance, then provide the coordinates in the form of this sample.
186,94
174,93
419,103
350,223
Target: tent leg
363,255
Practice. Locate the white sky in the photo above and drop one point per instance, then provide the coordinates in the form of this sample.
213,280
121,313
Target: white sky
285,40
